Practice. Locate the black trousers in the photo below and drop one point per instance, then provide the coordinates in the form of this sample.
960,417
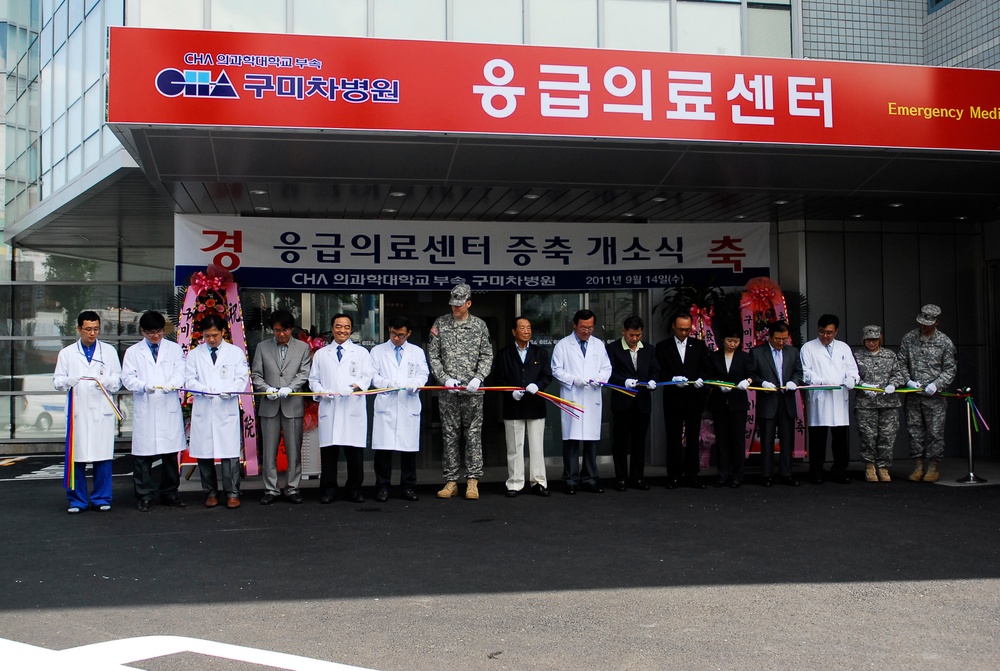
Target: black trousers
629,446
683,428
145,482
572,474
817,449
781,425
730,444
407,469
328,458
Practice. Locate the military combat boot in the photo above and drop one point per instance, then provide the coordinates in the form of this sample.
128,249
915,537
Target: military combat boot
918,470
450,490
883,475
870,475
932,474
472,489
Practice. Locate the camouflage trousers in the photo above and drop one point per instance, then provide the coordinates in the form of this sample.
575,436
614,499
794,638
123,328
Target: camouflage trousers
462,415
877,428
925,422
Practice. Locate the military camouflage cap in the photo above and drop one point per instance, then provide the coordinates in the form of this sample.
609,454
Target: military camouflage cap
871,332
929,314
460,293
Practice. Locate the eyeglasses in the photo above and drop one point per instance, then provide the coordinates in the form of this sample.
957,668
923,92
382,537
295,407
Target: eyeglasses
585,329
158,332
91,329
777,339
394,334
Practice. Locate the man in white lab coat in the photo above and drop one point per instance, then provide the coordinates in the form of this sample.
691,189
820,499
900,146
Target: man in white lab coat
94,422
828,362
340,369
397,364
580,364
220,372
153,369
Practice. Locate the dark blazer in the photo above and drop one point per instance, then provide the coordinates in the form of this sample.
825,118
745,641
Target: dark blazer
742,368
269,371
510,372
695,365
648,368
763,363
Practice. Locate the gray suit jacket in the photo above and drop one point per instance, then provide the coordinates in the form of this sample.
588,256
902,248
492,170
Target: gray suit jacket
269,371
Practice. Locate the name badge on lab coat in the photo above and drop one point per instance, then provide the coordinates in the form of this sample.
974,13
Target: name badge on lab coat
224,373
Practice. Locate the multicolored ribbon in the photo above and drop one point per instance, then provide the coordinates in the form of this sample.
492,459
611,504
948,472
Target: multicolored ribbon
69,472
108,397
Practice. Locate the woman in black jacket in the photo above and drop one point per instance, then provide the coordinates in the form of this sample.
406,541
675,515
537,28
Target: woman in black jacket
729,405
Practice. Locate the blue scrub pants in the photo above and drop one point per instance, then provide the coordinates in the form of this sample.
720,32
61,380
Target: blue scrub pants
100,495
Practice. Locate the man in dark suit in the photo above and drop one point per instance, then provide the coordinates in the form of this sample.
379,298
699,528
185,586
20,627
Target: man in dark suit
632,362
776,408
523,364
683,360
281,366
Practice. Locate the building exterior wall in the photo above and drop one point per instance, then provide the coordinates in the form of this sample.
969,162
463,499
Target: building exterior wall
963,34
877,31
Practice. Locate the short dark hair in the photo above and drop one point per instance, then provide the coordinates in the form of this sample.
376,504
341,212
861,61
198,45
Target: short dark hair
728,330
519,318
681,315
338,316
87,316
583,315
826,320
779,326
633,323
152,321
398,322
282,318
213,321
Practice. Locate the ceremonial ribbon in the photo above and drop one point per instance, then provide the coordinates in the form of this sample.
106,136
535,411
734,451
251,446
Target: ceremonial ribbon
69,473
107,397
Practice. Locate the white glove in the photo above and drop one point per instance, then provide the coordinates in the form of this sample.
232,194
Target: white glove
581,382
272,393
631,383
473,384
890,389
699,383
791,386
680,378
72,381
869,393
284,392
347,390
651,385
415,389
913,384
725,390
225,396
848,383
150,388
768,385
518,395
930,389
452,382
532,388
743,385
594,383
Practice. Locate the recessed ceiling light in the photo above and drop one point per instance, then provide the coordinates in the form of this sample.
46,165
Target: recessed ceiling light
389,210
895,205
961,217
397,194
261,208
258,192
659,199
856,216
532,196
741,216
510,212
628,214
781,202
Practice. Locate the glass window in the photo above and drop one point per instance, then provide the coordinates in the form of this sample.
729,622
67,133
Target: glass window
95,50
74,125
148,264
259,16
410,19
183,14
770,32
642,25
59,25
92,110
74,70
320,17
45,85
497,21
75,13
59,82
91,150
59,175
74,163
46,45
114,12
563,23
109,143
708,28
59,139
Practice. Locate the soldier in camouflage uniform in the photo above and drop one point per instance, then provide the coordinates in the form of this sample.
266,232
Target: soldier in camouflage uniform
877,413
928,357
461,355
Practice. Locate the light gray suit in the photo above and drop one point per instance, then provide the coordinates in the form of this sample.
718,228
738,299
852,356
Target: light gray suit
284,414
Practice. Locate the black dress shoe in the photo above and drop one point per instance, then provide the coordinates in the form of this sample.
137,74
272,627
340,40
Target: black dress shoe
766,482
570,489
641,485
735,484
539,490
356,496
789,480
592,487
693,483
410,495
673,483
327,496
295,497
145,505
816,478
172,502
268,499
511,493
620,486
382,495
719,483
840,478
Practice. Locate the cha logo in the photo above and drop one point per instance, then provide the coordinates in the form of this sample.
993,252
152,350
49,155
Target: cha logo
194,84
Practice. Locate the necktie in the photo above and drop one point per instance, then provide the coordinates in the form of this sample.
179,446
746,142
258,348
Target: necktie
399,354
284,350
155,349
777,364
583,348
340,352
829,350
215,354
